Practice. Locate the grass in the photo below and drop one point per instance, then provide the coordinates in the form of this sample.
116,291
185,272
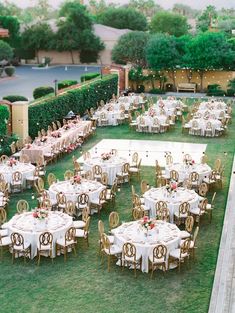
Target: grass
84,285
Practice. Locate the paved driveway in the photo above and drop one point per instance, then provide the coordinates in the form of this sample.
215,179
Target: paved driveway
27,79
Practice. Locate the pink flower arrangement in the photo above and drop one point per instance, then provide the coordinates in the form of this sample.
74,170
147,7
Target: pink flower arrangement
161,104
76,179
147,223
189,162
56,134
40,213
106,156
70,148
11,162
152,112
172,186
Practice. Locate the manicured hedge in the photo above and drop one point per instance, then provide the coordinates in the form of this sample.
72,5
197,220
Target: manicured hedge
89,76
66,83
78,100
42,91
9,70
14,98
4,116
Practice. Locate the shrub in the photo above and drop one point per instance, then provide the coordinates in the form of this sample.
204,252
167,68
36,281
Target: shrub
157,91
14,98
231,92
89,76
42,91
6,141
78,100
66,83
9,70
4,116
215,90
140,89
88,56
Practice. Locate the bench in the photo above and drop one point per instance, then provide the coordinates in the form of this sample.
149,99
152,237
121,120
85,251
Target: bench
186,87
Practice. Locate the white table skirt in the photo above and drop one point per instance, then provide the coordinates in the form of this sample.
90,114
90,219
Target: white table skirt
92,188
169,104
213,105
202,124
112,116
30,228
26,169
111,166
162,233
214,112
149,120
152,196
184,171
168,111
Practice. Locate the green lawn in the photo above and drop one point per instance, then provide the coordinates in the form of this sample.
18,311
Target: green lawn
83,285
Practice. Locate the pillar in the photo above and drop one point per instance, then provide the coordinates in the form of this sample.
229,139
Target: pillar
20,124
115,71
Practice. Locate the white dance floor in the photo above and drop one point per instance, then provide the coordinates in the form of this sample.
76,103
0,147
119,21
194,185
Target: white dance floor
149,150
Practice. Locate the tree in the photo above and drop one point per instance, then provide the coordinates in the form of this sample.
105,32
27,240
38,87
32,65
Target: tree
12,24
162,54
129,48
6,51
99,7
206,19
147,7
75,32
37,37
185,10
209,51
169,23
227,25
123,18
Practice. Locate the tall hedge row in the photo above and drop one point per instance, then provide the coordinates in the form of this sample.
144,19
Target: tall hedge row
4,116
77,100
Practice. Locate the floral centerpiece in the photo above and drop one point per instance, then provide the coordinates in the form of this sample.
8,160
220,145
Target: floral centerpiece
66,127
152,112
106,156
76,180
189,162
40,213
172,186
43,139
147,223
28,146
56,134
161,104
11,162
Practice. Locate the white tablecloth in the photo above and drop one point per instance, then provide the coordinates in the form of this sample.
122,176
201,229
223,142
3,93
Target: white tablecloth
149,120
168,111
30,228
203,170
202,125
26,169
90,187
118,105
111,166
220,105
214,112
137,99
169,104
112,116
162,233
152,196
38,149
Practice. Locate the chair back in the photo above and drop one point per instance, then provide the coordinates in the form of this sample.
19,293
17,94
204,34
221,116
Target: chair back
70,208
194,177
17,240
83,199
22,206
174,175
102,195
105,243
4,158
217,165
169,159
88,175
70,234
161,205
61,198
189,222
135,158
68,175
203,189
40,184
97,170
51,179
85,213
184,248
45,239
163,214
187,157
144,186
46,203
113,220
100,227
17,177
129,251
3,216
137,213
125,168
184,208
104,178
87,226
159,253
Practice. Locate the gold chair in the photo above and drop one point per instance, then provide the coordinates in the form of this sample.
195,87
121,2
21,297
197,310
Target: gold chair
61,201
85,215
174,175
180,254
45,245
39,186
97,172
169,159
111,194
187,232
144,186
70,208
109,250
204,159
82,202
30,181
104,178
202,190
210,206
102,201
67,243
200,210
192,243
84,233
51,179
113,220
19,246
46,203
17,182
208,131
22,206
194,179
211,180
158,259
182,213
134,159
130,256
68,175
138,213
163,214
124,175
135,171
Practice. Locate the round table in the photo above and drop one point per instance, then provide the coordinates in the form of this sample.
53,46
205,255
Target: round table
169,104
90,187
30,228
202,123
112,116
111,166
168,111
149,120
152,196
184,170
163,233
210,113
26,169
213,105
